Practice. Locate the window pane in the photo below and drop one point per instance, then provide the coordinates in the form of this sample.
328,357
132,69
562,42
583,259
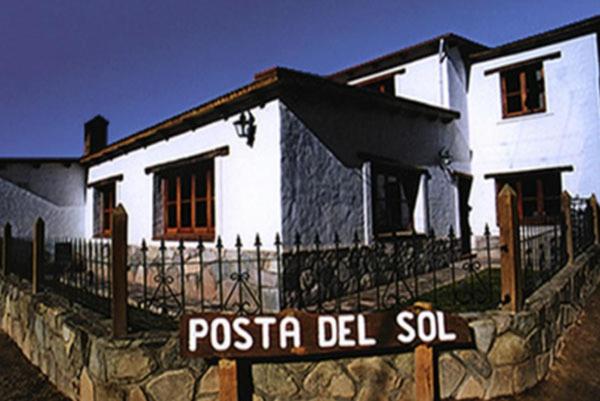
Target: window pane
106,221
535,87
529,208
201,185
186,186
171,189
186,214
551,185
172,216
514,104
529,187
201,215
513,83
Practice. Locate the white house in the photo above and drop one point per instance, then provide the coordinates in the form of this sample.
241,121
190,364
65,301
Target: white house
530,113
420,139
324,158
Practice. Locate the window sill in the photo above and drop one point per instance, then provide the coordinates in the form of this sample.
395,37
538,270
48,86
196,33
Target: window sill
524,117
209,237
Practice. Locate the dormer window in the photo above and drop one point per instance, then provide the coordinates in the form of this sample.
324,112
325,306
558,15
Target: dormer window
523,90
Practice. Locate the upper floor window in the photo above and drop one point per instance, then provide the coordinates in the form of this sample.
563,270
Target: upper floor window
382,84
188,202
523,90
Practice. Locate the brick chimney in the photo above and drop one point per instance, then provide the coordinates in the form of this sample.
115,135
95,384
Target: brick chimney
95,135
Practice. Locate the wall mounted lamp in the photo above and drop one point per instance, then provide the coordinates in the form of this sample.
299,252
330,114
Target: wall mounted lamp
245,127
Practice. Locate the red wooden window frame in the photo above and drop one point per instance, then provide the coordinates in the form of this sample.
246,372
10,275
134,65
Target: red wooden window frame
535,203
190,188
523,83
108,200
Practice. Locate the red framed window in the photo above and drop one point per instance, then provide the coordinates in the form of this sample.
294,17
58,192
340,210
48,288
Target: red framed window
188,202
538,196
108,199
523,90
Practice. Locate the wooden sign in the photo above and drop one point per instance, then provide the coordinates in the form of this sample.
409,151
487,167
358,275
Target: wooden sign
293,333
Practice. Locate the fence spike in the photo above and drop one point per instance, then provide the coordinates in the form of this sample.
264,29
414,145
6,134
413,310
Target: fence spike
486,230
144,246
451,232
336,238
317,239
277,239
257,242
355,238
238,241
200,245
219,243
181,246
297,240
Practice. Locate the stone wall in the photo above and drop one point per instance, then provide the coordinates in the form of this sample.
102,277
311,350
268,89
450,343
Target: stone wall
72,346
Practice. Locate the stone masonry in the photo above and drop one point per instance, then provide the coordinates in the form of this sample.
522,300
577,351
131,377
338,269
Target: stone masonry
73,347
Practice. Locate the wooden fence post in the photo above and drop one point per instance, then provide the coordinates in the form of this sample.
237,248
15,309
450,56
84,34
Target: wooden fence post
426,372
37,256
510,252
119,272
594,206
6,248
565,207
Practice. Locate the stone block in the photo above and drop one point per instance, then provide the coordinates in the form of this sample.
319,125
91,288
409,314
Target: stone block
129,365
470,388
525,376
451,374
509,349
542,363
405,364
209,383
320,377
86,386
273,380
136,394
501,382
475,361
524,322
485,331
172,385
374,370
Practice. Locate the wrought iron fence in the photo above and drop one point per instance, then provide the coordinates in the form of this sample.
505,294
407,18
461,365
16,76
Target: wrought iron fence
582,223
309,275
386,275
543,252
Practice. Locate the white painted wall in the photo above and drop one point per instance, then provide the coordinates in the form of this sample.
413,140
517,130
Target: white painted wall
568,133
247,181
443,84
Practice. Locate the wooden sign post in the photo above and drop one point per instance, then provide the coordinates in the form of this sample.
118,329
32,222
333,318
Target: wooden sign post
426,383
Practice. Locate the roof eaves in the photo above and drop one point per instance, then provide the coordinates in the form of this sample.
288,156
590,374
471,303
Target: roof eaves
565,32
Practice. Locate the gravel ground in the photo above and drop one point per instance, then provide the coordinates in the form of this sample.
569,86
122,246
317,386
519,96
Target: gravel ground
21,381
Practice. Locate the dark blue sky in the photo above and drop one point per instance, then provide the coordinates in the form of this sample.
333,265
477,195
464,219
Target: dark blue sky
139,62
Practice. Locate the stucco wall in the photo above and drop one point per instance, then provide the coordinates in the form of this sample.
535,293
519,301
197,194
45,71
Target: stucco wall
319,195
568,133
247,181
21,207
